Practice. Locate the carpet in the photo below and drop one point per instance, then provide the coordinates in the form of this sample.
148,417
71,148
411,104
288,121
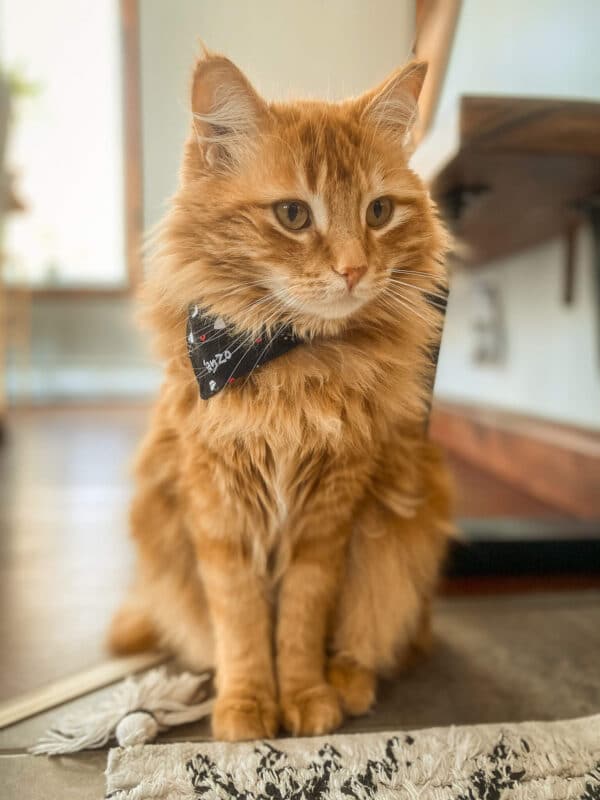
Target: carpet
524,761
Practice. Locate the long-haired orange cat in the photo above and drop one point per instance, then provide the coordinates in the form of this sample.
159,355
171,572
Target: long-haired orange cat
290,528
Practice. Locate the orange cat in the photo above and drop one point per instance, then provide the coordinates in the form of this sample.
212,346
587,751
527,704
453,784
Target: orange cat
290,528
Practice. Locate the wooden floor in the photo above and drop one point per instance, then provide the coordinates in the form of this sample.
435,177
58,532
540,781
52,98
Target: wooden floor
64,555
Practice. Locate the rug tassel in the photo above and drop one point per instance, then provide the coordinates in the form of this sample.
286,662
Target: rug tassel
135,712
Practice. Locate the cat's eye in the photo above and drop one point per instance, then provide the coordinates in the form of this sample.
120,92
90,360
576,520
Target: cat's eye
379,212
292,214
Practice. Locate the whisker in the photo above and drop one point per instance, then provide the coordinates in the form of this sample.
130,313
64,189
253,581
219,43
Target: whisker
405,303
424,291
261,354
219,333
431,275
242,339
288,305
256,362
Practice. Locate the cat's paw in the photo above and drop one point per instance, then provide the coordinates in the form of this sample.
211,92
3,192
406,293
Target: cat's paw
312,712
355,685
238,717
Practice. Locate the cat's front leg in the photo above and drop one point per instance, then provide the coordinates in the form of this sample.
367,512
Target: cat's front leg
307,597
246,704
221,523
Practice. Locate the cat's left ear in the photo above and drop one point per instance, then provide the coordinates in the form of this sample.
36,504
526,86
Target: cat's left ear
392,106
228,113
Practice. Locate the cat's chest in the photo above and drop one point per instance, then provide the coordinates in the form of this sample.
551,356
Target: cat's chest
291,480
281,479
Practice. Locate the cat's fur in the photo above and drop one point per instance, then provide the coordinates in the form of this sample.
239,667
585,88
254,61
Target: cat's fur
290,530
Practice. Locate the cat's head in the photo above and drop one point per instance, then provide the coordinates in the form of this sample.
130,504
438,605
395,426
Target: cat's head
302,212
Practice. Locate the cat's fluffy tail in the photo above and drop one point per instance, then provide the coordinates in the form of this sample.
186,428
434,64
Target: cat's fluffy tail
131,631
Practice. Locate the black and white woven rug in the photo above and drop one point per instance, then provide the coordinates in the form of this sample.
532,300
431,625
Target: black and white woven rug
525,761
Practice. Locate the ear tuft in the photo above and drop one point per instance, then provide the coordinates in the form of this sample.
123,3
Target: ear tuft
392,106
227,112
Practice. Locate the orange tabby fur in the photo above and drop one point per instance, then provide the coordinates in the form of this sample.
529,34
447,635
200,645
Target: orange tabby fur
290,530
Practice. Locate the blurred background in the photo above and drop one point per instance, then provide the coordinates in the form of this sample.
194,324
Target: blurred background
93,115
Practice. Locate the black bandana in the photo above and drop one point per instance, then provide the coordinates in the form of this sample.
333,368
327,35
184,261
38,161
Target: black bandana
220,354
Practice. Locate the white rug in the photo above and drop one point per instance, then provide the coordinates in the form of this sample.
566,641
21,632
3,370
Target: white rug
524,761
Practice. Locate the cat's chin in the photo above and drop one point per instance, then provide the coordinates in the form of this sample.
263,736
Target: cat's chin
334,309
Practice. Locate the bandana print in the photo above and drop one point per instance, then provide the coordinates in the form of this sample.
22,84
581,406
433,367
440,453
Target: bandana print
220,354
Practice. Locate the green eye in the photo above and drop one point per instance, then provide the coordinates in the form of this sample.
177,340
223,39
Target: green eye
379,212
292,214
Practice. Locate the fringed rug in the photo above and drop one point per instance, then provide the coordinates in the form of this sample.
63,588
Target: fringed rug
524,761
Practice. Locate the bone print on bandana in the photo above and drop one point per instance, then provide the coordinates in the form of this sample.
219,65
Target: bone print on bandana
220,354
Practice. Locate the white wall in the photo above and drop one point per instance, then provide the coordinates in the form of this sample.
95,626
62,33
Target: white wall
552,369
324,48
552,365
544,48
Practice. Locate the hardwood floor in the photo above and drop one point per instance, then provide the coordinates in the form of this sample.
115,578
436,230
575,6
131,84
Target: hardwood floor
64,554
65,558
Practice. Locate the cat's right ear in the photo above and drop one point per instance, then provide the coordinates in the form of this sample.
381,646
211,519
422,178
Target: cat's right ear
227,112
392,106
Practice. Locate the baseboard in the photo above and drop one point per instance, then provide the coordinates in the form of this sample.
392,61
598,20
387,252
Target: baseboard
557,464
61,691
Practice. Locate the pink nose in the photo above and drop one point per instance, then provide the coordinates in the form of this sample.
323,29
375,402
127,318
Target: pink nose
352,275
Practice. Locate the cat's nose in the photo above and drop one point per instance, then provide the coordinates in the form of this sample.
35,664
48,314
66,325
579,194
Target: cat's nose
352,275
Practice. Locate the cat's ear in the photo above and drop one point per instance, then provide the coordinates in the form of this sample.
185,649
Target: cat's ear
392,106
227,111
